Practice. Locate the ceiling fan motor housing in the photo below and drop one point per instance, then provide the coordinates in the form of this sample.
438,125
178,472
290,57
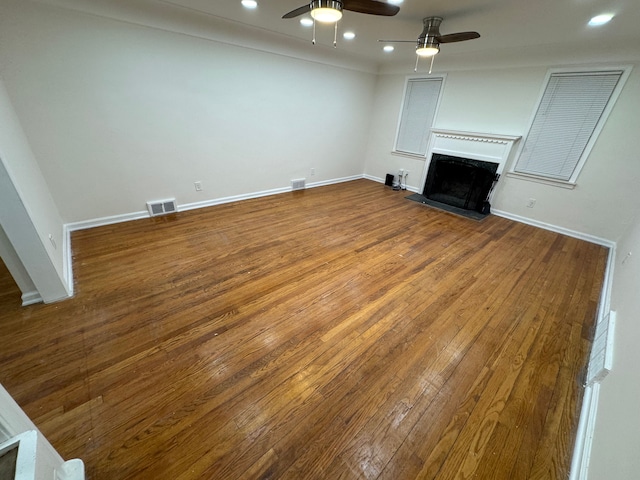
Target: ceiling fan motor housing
332,4
431,30
429,42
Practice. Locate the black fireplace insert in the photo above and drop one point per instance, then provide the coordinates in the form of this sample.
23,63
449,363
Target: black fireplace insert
460,182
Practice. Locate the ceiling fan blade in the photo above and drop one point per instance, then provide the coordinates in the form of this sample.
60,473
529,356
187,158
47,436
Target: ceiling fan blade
458,37
298,11
371,7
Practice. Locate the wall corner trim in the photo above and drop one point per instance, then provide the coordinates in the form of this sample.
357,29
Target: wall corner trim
31,298
67,259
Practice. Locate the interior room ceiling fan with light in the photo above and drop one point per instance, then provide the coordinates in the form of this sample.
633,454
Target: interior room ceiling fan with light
330,11
428,43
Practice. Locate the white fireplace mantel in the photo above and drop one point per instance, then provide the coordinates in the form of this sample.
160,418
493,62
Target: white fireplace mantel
487,147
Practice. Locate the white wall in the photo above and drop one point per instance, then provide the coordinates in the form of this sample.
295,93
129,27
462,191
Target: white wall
28,213
120,114
13,263
614,453
501,101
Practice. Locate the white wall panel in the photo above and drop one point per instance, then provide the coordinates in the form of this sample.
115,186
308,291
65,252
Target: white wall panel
119,114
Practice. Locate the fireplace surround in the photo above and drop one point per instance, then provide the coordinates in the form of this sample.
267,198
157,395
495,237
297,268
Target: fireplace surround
461,169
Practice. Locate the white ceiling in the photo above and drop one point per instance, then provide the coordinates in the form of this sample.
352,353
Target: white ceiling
504,25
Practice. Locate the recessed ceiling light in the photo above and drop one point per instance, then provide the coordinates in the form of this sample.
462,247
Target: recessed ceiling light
349,35
306,21
249,3
395,2
388,48
600,19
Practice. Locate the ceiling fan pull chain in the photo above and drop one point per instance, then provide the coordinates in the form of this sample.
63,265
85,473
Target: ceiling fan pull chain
313,40
431,66
415,69
335,36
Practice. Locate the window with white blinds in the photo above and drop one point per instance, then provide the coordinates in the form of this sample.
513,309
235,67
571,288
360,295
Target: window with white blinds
419,108
569,112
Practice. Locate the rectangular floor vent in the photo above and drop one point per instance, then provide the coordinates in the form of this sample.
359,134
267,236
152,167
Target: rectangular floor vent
162,207
298,184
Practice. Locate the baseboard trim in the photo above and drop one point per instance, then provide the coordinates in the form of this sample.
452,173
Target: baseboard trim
126,217
408,188
264,193
335,181
234,198
589,410
372,178
553,228
102,221
30,298
586,428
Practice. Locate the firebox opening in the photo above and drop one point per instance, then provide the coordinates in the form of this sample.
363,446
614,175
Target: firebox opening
459,185
460,182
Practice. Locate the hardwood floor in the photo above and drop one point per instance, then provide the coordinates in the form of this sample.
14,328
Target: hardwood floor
340,332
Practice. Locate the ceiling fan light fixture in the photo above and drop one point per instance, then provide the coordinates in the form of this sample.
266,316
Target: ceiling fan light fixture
326,11
326,15
427,47
427,51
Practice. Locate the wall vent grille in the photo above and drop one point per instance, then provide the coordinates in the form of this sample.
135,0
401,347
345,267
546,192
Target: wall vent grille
162,207
601,359
298,184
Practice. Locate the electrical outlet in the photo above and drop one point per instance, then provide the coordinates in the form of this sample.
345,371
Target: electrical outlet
198,186
401,172
531,203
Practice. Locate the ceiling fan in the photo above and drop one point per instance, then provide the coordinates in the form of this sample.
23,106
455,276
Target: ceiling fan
330,11
428,43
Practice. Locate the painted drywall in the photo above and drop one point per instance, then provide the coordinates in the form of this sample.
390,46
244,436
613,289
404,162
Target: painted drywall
502,101
382,135
120,114
13,263
28,213
614,453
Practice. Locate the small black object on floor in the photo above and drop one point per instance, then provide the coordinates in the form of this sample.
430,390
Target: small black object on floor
416,197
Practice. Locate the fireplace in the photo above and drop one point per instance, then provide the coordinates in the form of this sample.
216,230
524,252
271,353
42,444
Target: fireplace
460,182
462,170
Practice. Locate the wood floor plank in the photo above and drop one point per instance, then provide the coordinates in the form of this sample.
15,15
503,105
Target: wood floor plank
338,332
